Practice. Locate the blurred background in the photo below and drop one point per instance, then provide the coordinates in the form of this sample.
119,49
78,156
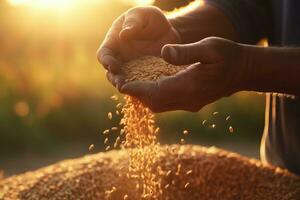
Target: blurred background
54,97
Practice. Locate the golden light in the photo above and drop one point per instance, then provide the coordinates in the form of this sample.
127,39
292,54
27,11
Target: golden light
68,3
42,3
143,2
16,2
139,2
181,11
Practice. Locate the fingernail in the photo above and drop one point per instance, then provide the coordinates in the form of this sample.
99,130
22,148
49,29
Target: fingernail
128,26
172,52
123,88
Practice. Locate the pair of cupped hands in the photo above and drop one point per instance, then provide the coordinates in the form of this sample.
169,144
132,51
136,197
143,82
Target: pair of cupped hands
215,71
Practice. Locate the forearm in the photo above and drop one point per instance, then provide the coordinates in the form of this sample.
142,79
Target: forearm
203,21
273,69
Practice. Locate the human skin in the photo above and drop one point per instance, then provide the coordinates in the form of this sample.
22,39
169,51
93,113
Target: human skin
144,31
218,67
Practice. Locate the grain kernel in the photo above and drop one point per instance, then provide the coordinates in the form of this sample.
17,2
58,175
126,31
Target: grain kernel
119,105
168,173
105,140
186,185
230,129
189,172
109,115
91,147
115,97
182,141
114,128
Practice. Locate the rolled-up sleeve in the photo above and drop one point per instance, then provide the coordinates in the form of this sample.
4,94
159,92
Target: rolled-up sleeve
250,18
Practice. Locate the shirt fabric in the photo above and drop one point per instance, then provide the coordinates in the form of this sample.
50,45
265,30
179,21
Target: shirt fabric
279,21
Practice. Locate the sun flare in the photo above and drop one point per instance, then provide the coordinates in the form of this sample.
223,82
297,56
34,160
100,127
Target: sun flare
68,3
42,3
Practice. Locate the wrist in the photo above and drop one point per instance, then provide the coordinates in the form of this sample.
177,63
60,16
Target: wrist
263,69
255,73
242,78
248,73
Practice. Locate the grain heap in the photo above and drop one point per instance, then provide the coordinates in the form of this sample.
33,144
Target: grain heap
149,68
205,173
139,125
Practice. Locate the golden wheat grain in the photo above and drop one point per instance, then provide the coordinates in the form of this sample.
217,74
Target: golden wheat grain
217,174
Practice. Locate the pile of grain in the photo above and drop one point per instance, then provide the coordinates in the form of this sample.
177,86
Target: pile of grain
149,68
139,125
187,172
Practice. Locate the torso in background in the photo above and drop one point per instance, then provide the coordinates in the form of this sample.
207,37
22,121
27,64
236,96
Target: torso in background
281,141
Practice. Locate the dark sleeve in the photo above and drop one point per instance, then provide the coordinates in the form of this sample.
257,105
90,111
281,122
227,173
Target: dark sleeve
252,19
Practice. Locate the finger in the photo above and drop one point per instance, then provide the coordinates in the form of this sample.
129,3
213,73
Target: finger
159,96
140,89
108,59
116,80
132,25
110,78
185,54
107,52
119,80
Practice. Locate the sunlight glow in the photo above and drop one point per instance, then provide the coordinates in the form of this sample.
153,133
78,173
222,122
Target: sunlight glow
42,3
143,2
139,2
68,3
185,9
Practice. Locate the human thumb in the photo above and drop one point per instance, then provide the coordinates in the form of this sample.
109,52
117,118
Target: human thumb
183,54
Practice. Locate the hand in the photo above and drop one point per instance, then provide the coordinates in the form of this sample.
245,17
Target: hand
140,31
217,70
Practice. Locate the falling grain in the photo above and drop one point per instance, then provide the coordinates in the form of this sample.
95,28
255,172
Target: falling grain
182,141
231,130
109,115
91,147
105,140
186,185
139,123
119,105
189,172
185,132
168,173
115,97
114,128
